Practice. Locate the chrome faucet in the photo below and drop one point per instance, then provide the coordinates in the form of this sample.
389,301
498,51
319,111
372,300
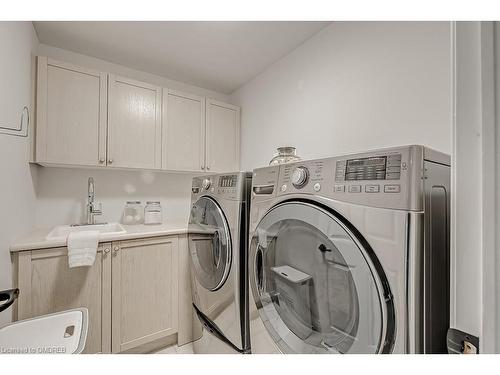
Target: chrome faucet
93,208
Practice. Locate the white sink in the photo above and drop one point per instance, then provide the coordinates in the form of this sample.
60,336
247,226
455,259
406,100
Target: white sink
61,232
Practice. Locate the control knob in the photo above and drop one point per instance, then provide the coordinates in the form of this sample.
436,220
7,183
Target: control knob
206,184
299,177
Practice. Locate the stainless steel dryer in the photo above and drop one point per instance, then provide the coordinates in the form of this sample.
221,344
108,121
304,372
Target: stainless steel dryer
218,239
350,254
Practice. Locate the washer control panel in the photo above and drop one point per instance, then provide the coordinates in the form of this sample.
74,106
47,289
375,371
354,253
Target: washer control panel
223,185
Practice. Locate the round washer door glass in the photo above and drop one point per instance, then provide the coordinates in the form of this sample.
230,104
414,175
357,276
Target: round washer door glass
317,286
209,243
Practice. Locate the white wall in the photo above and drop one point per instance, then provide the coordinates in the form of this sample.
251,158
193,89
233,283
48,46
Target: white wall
475,182
17,187
62,192
466,273
492,280
351,87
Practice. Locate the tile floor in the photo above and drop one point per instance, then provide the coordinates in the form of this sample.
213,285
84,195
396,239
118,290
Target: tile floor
174,349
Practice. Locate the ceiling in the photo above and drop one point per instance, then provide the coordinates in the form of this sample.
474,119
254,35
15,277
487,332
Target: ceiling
220,56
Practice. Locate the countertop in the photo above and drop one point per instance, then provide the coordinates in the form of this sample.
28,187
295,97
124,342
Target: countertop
37,238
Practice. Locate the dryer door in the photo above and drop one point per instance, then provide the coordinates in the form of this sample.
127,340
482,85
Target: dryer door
317,284
209,243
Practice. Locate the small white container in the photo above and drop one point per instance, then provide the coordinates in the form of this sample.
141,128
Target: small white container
153,213
133,213
292,289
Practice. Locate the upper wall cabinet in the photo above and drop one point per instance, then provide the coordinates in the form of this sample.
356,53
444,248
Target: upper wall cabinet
134,124
223,137
71,114
90,118
183,131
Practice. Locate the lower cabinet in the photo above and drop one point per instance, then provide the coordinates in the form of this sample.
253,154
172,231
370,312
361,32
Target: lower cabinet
144,292
131,291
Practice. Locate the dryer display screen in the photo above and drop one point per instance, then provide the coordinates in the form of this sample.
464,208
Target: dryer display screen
373,168
228,181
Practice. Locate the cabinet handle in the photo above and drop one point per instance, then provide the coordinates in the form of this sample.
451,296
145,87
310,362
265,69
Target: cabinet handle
106,250
110,161
202,166
115,250
208,168
102,160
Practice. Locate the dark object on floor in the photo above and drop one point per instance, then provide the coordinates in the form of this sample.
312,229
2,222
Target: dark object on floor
7,298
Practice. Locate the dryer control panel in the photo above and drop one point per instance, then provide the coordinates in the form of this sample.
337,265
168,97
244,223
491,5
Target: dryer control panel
390,178
387,167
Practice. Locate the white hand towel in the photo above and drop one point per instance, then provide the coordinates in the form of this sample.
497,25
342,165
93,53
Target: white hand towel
82,248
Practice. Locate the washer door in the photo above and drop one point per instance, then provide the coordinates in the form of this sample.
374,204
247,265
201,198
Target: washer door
317,284
209,243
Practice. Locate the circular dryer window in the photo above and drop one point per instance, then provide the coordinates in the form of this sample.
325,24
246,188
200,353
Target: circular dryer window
209,243
316,285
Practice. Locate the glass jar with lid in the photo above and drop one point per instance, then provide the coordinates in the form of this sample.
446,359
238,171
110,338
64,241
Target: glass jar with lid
285,154
133,213
153,213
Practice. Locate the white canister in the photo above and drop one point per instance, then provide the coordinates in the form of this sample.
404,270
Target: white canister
133,213
153,213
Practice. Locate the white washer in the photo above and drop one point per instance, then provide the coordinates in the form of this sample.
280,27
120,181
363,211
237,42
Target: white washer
353,255
218,233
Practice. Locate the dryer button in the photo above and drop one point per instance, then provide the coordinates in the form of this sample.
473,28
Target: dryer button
283,188
317,186
206,184
392,188
339,188
299,177
372,188
355,189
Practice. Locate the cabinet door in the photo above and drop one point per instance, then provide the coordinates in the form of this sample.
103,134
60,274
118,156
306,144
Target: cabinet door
223,137
144,291
71,114
134,124
48,285
183,131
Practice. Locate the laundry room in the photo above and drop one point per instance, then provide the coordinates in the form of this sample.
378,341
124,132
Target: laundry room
248,185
